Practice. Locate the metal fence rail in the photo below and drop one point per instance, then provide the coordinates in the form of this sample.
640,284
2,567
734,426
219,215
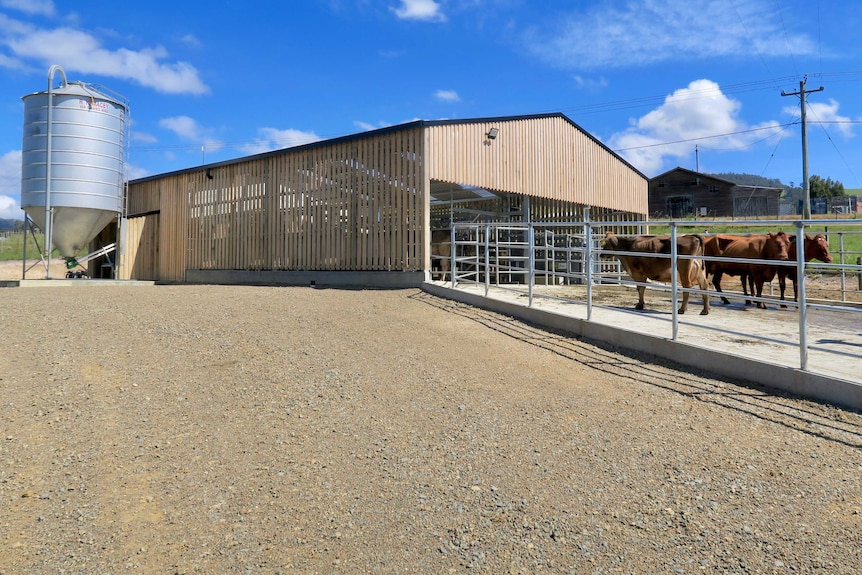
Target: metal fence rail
530,259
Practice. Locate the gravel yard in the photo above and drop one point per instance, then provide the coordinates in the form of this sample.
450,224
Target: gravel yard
206,429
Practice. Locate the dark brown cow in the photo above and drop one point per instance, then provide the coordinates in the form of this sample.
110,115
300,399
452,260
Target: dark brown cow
760,247
714,246
816,248
641,268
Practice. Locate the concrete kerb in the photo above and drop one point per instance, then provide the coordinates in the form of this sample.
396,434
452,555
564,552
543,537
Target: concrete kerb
374,279
834,391
77,283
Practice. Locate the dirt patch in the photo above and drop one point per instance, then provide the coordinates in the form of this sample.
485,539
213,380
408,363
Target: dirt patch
203,429
13,270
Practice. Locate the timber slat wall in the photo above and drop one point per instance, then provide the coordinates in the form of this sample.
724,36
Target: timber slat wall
546,157
350,206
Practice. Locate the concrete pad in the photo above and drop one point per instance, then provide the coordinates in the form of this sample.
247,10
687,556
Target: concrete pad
732,341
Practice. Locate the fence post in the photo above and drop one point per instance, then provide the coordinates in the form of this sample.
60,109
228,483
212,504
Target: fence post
859,263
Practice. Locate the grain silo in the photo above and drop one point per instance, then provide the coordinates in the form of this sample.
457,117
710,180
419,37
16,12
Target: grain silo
73,162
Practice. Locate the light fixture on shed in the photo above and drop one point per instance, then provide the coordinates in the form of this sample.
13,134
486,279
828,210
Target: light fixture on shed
492,133
209,174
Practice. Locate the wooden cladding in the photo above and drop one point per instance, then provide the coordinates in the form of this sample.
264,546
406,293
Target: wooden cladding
545,157
141,249
357,205
155,240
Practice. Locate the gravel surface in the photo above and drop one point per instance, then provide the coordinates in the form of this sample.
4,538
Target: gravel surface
205,429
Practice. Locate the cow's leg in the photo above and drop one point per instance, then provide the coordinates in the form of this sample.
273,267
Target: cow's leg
641,290
759,282
747,281
716,282
701,281
443,269
684,305
684,270
782,284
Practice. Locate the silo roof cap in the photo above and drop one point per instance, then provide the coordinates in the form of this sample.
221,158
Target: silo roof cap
83,90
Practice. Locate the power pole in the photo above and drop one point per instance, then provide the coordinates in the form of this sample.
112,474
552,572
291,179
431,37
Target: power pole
806,206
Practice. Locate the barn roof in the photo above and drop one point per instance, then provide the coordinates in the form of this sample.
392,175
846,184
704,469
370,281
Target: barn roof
712,177
388,130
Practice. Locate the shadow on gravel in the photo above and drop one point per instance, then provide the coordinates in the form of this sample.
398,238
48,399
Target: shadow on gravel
767,404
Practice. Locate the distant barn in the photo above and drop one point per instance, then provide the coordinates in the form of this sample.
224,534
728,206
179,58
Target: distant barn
359,209
682,193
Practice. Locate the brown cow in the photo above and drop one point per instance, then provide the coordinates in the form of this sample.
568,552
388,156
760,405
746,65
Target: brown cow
816,248
644,267
441,253
760,247
714,246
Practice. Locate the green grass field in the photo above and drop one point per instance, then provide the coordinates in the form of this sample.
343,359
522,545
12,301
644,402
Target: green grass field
850,236
846,236
12,243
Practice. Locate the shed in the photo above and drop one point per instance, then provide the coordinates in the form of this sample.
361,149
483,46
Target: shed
358,210
682,193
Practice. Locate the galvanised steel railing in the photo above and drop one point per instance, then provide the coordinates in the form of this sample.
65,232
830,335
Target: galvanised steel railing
521,257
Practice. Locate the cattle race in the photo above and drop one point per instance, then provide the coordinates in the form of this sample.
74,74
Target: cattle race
597,269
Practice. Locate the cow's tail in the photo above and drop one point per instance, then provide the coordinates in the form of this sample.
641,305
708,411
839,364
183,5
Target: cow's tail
701,243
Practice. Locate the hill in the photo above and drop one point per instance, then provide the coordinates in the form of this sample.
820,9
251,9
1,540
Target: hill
9,225
790,191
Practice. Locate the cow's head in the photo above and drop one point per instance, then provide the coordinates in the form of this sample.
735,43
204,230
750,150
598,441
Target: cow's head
817,248
777,246
611,241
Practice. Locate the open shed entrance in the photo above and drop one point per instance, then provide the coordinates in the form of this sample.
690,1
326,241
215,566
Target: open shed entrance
453,203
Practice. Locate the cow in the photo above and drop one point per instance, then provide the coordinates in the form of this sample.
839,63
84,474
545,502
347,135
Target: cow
643,267
815,248
714,246
759,247
441,253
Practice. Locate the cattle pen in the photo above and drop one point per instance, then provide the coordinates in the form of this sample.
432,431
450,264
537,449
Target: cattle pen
562,268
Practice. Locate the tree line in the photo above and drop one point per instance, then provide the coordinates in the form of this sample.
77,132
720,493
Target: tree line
817,186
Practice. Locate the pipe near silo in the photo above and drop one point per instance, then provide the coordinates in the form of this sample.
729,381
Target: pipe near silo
49,213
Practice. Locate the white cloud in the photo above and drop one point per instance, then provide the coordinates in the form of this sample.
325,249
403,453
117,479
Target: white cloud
447,95
9,209
189,130
144,137
82,52
191,40
134,172
426,10
825,113
41,7
275,139
10,185
591,83
613,35
366,126
699,111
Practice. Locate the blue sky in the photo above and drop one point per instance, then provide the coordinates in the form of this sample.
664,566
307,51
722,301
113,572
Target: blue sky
210,81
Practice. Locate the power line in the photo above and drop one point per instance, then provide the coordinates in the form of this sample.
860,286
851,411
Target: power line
834,145
774,127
